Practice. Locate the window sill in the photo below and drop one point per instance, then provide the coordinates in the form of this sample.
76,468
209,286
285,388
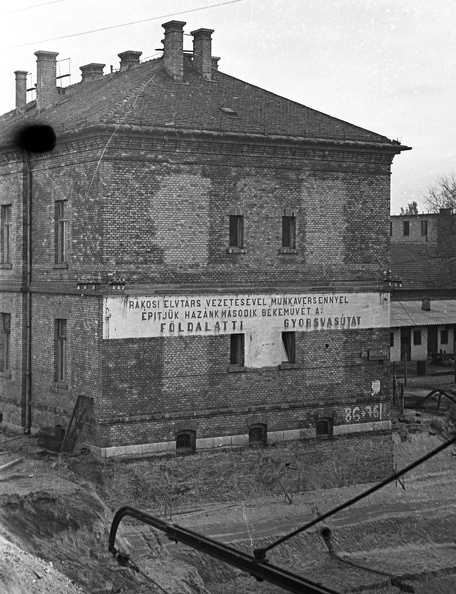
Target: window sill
5,374
236,250
288,365
61,265
59,386
6,266
287,250
237,369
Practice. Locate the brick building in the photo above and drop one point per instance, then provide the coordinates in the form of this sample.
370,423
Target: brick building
200,259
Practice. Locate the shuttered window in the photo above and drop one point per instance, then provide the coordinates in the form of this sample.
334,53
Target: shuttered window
289,343
237,349
5,342
5,233
61,233
60,350
237,231
289,232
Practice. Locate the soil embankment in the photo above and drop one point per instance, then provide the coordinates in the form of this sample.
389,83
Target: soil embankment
58,511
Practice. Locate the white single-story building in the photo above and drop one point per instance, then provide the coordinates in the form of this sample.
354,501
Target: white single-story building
422,329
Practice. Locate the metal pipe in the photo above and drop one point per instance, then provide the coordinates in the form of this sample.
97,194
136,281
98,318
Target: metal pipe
28,180
262,570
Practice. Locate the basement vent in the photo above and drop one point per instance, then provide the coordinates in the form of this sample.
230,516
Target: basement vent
324,428
229,112
258,435
186,442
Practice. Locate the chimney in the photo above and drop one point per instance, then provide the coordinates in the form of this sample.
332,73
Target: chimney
21,88
202,59
46,89
173,51
215,62
426,304
129,59
91,71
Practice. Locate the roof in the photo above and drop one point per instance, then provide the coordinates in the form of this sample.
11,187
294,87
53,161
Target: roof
422,266
146,95
421,215
410,313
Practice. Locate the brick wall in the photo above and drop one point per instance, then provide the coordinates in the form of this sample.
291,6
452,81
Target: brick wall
11,300
53,401
11,192
166,219
155,211
11,381
152,384
72,176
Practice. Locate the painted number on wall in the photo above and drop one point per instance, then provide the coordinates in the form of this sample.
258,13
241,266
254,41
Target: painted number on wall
357,414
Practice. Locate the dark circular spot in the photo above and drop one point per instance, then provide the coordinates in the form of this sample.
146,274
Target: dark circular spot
37,138
326,533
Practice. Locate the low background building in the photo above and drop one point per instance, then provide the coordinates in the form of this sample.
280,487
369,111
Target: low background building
422,330
423,309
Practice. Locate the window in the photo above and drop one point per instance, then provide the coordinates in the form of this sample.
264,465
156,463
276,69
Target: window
237,231
391,228
406,228
60,350
5,341
444,336
289,344
61,232
289,232
324,428
424,228
5,222
258,435
417,337
186,442
237,350
391,339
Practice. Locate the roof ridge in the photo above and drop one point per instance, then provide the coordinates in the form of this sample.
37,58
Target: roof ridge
135,92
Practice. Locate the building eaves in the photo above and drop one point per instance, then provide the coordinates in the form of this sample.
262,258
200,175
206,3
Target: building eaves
88,127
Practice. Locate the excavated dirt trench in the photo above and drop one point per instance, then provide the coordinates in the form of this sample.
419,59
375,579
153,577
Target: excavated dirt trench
60,509
71,530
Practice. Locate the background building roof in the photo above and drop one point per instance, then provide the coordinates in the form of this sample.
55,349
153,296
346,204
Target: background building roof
410,313
420,267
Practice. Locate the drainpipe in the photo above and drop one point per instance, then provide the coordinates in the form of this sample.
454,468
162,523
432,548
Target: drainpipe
26,289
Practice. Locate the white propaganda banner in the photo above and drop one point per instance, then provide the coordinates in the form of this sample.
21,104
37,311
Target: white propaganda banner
197,315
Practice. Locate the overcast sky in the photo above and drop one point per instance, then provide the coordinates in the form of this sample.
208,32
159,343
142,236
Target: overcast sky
386,65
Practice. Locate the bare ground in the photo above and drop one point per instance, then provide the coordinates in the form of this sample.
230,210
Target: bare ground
58,509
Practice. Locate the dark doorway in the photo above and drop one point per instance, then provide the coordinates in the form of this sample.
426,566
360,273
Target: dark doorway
405,344
432,340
